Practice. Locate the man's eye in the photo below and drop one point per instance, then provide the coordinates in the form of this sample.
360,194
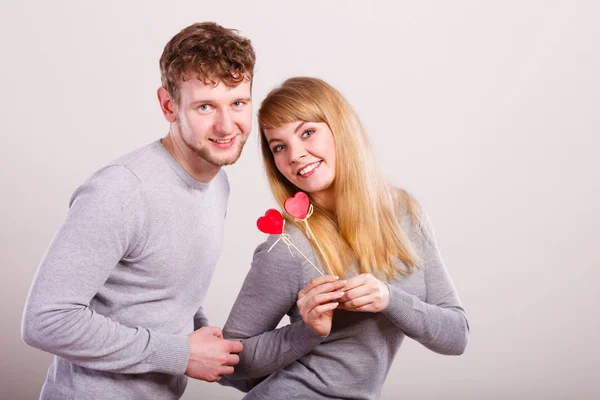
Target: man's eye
238,104
204,107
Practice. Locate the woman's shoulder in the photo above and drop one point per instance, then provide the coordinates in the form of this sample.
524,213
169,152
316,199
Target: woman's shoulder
407,206
411,216
286,253
276,246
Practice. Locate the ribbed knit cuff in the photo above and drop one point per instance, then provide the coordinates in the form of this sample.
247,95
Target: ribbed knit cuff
400,306
171,352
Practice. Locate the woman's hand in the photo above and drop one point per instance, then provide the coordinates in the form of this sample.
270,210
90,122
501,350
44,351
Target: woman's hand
317,301
365,293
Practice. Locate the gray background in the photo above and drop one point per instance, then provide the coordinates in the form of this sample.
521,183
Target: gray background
486,111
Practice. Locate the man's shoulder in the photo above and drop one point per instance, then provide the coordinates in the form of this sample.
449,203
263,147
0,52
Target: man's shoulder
120,178
222,181
148,156
141,166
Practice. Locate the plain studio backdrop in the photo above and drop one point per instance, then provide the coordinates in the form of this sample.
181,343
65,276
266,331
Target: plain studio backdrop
488,112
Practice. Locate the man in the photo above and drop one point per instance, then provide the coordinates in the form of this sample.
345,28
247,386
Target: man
124,278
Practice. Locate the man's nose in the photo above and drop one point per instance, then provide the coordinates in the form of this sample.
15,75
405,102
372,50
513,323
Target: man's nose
224,123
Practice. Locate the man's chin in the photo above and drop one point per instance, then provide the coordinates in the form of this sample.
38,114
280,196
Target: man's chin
224,160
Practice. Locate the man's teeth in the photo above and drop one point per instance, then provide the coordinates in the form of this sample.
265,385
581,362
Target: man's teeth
309,168
222,141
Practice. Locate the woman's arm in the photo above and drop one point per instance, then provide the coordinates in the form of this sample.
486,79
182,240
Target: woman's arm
439,322
269,292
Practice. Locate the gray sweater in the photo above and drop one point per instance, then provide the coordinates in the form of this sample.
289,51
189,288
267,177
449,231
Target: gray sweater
353,361
123,281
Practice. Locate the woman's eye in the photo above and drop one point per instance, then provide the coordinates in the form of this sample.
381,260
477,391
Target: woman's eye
278,148
308,133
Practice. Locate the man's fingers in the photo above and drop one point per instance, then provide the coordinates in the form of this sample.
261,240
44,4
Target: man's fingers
233,359
234,347
226,370
217,332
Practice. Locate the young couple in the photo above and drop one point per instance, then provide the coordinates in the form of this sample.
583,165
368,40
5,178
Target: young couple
118,295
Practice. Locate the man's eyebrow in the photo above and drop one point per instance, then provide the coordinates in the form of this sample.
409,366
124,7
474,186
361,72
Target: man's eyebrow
211,101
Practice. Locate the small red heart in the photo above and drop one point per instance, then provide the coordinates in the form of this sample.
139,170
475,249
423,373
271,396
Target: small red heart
271,223
297,206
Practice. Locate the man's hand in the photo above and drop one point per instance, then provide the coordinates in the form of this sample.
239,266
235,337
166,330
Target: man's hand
365,293
210,355
317,300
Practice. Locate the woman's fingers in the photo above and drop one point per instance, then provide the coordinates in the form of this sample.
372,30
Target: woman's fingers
317,300
317,282
309,302
365,293
356,293
324,298
316,288
322,309
359,302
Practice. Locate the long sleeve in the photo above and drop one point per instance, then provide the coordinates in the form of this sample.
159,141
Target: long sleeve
200,319
102,227
269,293
439,322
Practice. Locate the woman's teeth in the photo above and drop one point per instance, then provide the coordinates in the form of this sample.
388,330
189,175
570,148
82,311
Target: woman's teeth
308,168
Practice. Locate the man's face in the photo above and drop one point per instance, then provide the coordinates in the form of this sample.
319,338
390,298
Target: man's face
214,121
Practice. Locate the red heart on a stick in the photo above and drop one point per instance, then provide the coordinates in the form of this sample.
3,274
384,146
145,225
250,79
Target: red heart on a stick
297,206
271,223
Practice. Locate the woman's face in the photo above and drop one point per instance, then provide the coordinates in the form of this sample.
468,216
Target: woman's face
304,152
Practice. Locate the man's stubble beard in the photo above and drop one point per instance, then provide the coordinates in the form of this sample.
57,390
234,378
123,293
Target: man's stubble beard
206,154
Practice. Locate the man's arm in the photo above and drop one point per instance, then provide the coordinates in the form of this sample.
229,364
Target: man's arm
103,224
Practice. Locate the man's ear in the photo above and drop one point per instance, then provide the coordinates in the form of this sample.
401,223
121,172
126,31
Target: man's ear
167,105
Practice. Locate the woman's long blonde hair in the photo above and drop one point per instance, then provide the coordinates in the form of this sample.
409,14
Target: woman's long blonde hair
364,226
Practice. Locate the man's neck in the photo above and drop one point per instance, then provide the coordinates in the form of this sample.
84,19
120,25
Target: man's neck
198,168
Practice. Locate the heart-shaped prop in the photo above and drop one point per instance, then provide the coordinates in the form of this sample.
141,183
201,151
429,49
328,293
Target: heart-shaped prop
297,206
271,223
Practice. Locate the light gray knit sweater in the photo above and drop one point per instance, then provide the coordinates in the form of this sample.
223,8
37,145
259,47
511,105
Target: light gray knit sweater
123,281
354,360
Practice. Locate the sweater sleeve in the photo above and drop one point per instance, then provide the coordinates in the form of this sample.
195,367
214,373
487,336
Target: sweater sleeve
103,225
439,322
269,292
200,319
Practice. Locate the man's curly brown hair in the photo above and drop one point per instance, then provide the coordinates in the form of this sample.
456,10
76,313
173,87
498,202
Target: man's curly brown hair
208,52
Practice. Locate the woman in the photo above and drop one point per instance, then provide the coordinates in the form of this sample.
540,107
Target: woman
344,333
